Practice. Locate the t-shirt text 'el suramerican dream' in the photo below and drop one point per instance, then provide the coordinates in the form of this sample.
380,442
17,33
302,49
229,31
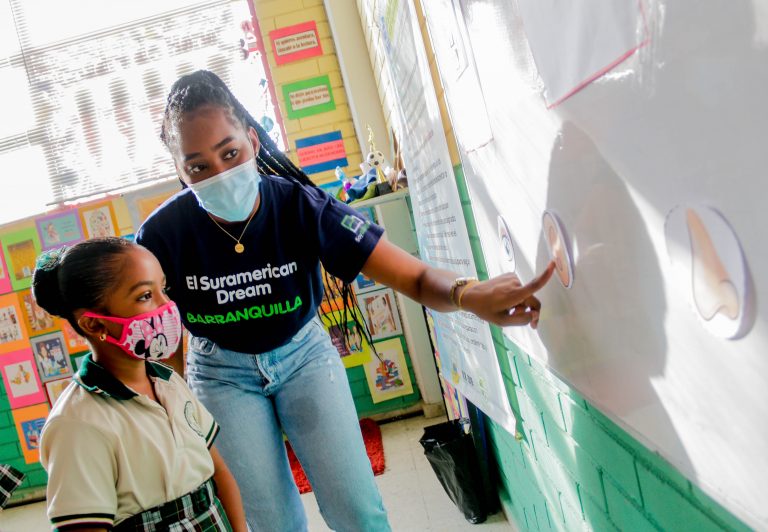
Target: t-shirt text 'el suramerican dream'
255,301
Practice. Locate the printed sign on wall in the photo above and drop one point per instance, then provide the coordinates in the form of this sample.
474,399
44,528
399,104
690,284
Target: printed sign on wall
321,152
308,97
295,42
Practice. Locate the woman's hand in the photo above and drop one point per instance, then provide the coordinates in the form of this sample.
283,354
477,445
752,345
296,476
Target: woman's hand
504,300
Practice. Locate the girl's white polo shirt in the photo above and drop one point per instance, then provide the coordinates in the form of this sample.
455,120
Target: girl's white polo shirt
111,453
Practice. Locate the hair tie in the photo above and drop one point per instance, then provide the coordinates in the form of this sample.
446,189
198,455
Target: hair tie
49,260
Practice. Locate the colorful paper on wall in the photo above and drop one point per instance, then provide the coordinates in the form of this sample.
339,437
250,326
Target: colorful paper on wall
359,351
321,152
295,42
381,314
29,423
37,320
5,277
56,388
59,229
141,203
21,249
13,334
22,382
308,97
75,342
387,374
99,220
51,356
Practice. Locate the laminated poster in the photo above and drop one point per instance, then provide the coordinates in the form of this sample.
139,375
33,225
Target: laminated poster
29,423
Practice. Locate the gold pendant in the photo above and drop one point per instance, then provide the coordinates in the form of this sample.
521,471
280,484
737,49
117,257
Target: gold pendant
239,248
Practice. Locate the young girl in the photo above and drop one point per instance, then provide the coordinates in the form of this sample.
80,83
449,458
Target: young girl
242,248
127,446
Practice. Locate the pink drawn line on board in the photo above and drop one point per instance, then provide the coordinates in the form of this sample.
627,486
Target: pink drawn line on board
611,66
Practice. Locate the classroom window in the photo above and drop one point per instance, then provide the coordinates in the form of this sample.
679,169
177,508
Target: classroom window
84,87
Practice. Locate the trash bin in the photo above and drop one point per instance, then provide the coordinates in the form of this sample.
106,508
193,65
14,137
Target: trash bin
451,452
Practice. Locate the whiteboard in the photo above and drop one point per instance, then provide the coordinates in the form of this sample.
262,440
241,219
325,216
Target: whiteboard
655,170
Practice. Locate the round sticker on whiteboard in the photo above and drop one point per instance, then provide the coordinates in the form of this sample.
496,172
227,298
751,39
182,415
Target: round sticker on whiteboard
507,248
709,263
559,251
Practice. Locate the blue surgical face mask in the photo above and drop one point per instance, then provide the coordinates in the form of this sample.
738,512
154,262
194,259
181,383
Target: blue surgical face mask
232,194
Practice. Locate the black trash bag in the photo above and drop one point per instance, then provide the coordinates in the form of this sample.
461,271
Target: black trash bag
451,452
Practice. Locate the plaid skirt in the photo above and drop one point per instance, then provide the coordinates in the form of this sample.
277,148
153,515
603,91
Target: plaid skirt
197,511
10,479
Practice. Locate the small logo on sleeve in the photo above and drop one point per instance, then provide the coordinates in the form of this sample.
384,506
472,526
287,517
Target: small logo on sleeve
355,225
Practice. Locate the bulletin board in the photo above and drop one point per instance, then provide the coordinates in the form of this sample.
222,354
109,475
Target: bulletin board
629,144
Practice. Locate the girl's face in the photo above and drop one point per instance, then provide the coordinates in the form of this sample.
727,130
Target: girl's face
141,288
210,141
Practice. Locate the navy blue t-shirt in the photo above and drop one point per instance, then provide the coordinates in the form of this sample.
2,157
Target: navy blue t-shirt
255,301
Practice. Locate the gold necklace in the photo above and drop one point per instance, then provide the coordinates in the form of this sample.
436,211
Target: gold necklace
239,248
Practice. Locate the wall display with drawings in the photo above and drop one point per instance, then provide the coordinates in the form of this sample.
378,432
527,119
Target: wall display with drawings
363,284
75,342
352,346
662,327
22,382
59,229
380,311
13,334
21,248
5,277
142,202
29,423
56,388
387,375
37,320
99,219
51,356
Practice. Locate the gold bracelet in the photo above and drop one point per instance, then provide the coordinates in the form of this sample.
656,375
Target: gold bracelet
459,282
464,289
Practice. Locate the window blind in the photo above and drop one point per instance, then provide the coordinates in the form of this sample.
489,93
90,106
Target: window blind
85,83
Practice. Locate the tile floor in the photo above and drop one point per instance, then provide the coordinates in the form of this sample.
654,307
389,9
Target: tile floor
412,494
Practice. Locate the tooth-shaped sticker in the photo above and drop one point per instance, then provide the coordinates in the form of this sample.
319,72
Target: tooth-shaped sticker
559,250
713,290
507,248
709,264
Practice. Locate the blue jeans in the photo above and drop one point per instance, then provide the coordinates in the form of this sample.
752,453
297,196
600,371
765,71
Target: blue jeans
300,388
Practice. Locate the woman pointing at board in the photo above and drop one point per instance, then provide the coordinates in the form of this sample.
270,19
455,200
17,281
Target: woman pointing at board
242,247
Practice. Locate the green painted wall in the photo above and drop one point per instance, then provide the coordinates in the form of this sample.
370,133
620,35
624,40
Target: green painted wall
572,468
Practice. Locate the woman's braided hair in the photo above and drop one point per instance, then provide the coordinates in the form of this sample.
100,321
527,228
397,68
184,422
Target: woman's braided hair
202,88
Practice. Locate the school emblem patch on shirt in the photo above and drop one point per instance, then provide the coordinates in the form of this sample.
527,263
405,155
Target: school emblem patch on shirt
189,415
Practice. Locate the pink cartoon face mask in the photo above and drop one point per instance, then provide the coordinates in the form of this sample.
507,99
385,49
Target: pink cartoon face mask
154,335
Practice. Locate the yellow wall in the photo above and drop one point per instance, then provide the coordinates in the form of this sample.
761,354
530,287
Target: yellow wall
275,14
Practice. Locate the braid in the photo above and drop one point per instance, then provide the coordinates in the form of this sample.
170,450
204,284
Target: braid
203,87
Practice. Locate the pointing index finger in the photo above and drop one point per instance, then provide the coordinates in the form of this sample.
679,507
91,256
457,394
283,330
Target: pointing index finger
539,282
